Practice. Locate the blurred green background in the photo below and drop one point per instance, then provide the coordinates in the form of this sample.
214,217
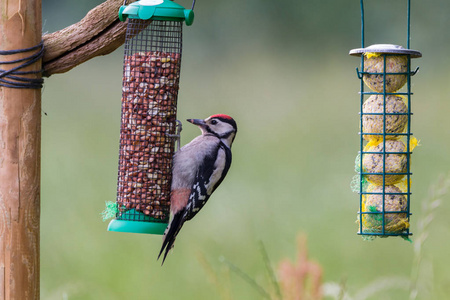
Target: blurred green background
282,70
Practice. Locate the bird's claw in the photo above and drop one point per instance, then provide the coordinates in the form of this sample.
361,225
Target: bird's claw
177,135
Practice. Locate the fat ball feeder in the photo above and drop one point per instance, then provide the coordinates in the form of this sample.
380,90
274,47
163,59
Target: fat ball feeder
386,142
151,74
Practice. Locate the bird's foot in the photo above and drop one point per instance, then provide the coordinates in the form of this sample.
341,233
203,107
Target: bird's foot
177,135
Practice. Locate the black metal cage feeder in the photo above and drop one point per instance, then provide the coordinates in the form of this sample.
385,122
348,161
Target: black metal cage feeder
151,74
386,142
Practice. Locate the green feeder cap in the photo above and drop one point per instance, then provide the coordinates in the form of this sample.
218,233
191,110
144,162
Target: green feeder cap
163,10
136,222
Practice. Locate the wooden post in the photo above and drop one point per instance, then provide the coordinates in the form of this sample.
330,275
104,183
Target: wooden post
20,142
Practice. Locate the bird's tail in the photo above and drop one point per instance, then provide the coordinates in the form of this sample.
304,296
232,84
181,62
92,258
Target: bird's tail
171,233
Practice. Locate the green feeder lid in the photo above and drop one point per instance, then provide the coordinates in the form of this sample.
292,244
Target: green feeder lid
137,222
163,10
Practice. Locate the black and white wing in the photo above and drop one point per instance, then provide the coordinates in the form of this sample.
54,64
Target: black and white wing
209,176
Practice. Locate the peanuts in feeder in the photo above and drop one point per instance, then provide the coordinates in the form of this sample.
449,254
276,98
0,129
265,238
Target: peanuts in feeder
150,89
373,119
395,210
394,166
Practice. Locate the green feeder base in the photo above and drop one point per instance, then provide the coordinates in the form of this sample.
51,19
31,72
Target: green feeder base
144,225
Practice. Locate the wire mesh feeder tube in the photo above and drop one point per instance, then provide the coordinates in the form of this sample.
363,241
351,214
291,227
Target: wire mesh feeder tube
150,85
386,142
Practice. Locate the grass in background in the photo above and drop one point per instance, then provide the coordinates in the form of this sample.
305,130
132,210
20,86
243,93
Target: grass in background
302,280
293,159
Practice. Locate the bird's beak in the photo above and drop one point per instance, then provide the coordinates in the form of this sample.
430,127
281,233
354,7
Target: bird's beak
197,122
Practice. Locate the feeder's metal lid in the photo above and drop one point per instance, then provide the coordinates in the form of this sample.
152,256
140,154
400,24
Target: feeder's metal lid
164,10
385,48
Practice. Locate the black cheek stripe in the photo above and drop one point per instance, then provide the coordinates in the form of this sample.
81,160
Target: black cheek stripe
210,131
226,135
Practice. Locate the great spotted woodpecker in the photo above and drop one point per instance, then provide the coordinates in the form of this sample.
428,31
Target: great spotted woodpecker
198,169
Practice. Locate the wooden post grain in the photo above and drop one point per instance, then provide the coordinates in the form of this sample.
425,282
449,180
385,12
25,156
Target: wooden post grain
20,142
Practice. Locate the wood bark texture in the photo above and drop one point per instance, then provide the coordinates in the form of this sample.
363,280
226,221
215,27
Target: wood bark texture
99,33
20,135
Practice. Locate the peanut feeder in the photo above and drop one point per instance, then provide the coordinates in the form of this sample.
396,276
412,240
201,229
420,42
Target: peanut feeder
151,74
386,142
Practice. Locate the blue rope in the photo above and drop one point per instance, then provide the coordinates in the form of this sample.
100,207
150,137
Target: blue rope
14,78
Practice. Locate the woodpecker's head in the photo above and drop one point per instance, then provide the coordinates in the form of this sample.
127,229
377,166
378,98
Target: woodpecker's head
222,126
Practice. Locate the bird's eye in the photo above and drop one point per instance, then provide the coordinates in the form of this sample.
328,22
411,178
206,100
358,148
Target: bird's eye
214,122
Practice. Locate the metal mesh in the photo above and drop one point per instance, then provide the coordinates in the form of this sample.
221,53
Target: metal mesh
150,85
386,142
385,149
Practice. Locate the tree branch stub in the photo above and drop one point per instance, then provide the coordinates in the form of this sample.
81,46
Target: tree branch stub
99,33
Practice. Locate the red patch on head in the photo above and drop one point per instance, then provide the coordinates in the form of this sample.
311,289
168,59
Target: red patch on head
222,116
